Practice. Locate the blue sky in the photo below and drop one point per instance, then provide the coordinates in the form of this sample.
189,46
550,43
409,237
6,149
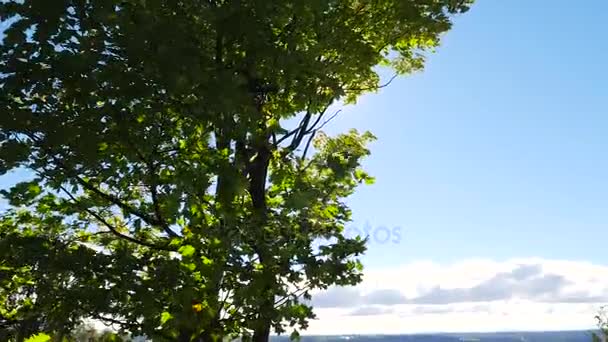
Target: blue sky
492,165
497,149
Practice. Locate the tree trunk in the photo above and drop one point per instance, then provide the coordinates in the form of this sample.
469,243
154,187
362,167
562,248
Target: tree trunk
257,190
262,334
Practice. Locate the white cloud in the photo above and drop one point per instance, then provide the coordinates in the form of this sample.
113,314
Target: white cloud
371,311
471,295
337,297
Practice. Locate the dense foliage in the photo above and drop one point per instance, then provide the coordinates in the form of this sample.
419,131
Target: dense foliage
182,187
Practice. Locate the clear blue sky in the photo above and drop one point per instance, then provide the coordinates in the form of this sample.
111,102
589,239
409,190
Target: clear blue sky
499,149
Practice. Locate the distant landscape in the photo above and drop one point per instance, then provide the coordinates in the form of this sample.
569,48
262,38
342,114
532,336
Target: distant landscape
547,336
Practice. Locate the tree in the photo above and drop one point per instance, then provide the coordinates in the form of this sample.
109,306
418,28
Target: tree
164,162
602,326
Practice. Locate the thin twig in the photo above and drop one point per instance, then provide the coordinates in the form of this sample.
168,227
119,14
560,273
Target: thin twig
297,293
329,119
386,84
314,124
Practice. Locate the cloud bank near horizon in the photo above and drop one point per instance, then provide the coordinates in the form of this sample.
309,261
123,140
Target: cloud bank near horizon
470,295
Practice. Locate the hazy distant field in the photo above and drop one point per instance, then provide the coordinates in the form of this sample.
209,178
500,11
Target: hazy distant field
560,336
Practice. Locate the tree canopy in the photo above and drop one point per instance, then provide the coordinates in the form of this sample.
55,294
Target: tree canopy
182,187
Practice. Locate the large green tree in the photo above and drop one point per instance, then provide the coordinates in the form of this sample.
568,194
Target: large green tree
183,188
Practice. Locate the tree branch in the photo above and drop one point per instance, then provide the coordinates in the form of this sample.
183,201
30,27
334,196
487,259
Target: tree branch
112,199
299,291
116,201
153,189
294,131
314,124
312,136
155,203
111,227
329,119
384,85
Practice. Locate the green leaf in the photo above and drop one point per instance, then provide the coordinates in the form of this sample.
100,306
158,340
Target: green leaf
186,250
164,317
39,338
103,146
